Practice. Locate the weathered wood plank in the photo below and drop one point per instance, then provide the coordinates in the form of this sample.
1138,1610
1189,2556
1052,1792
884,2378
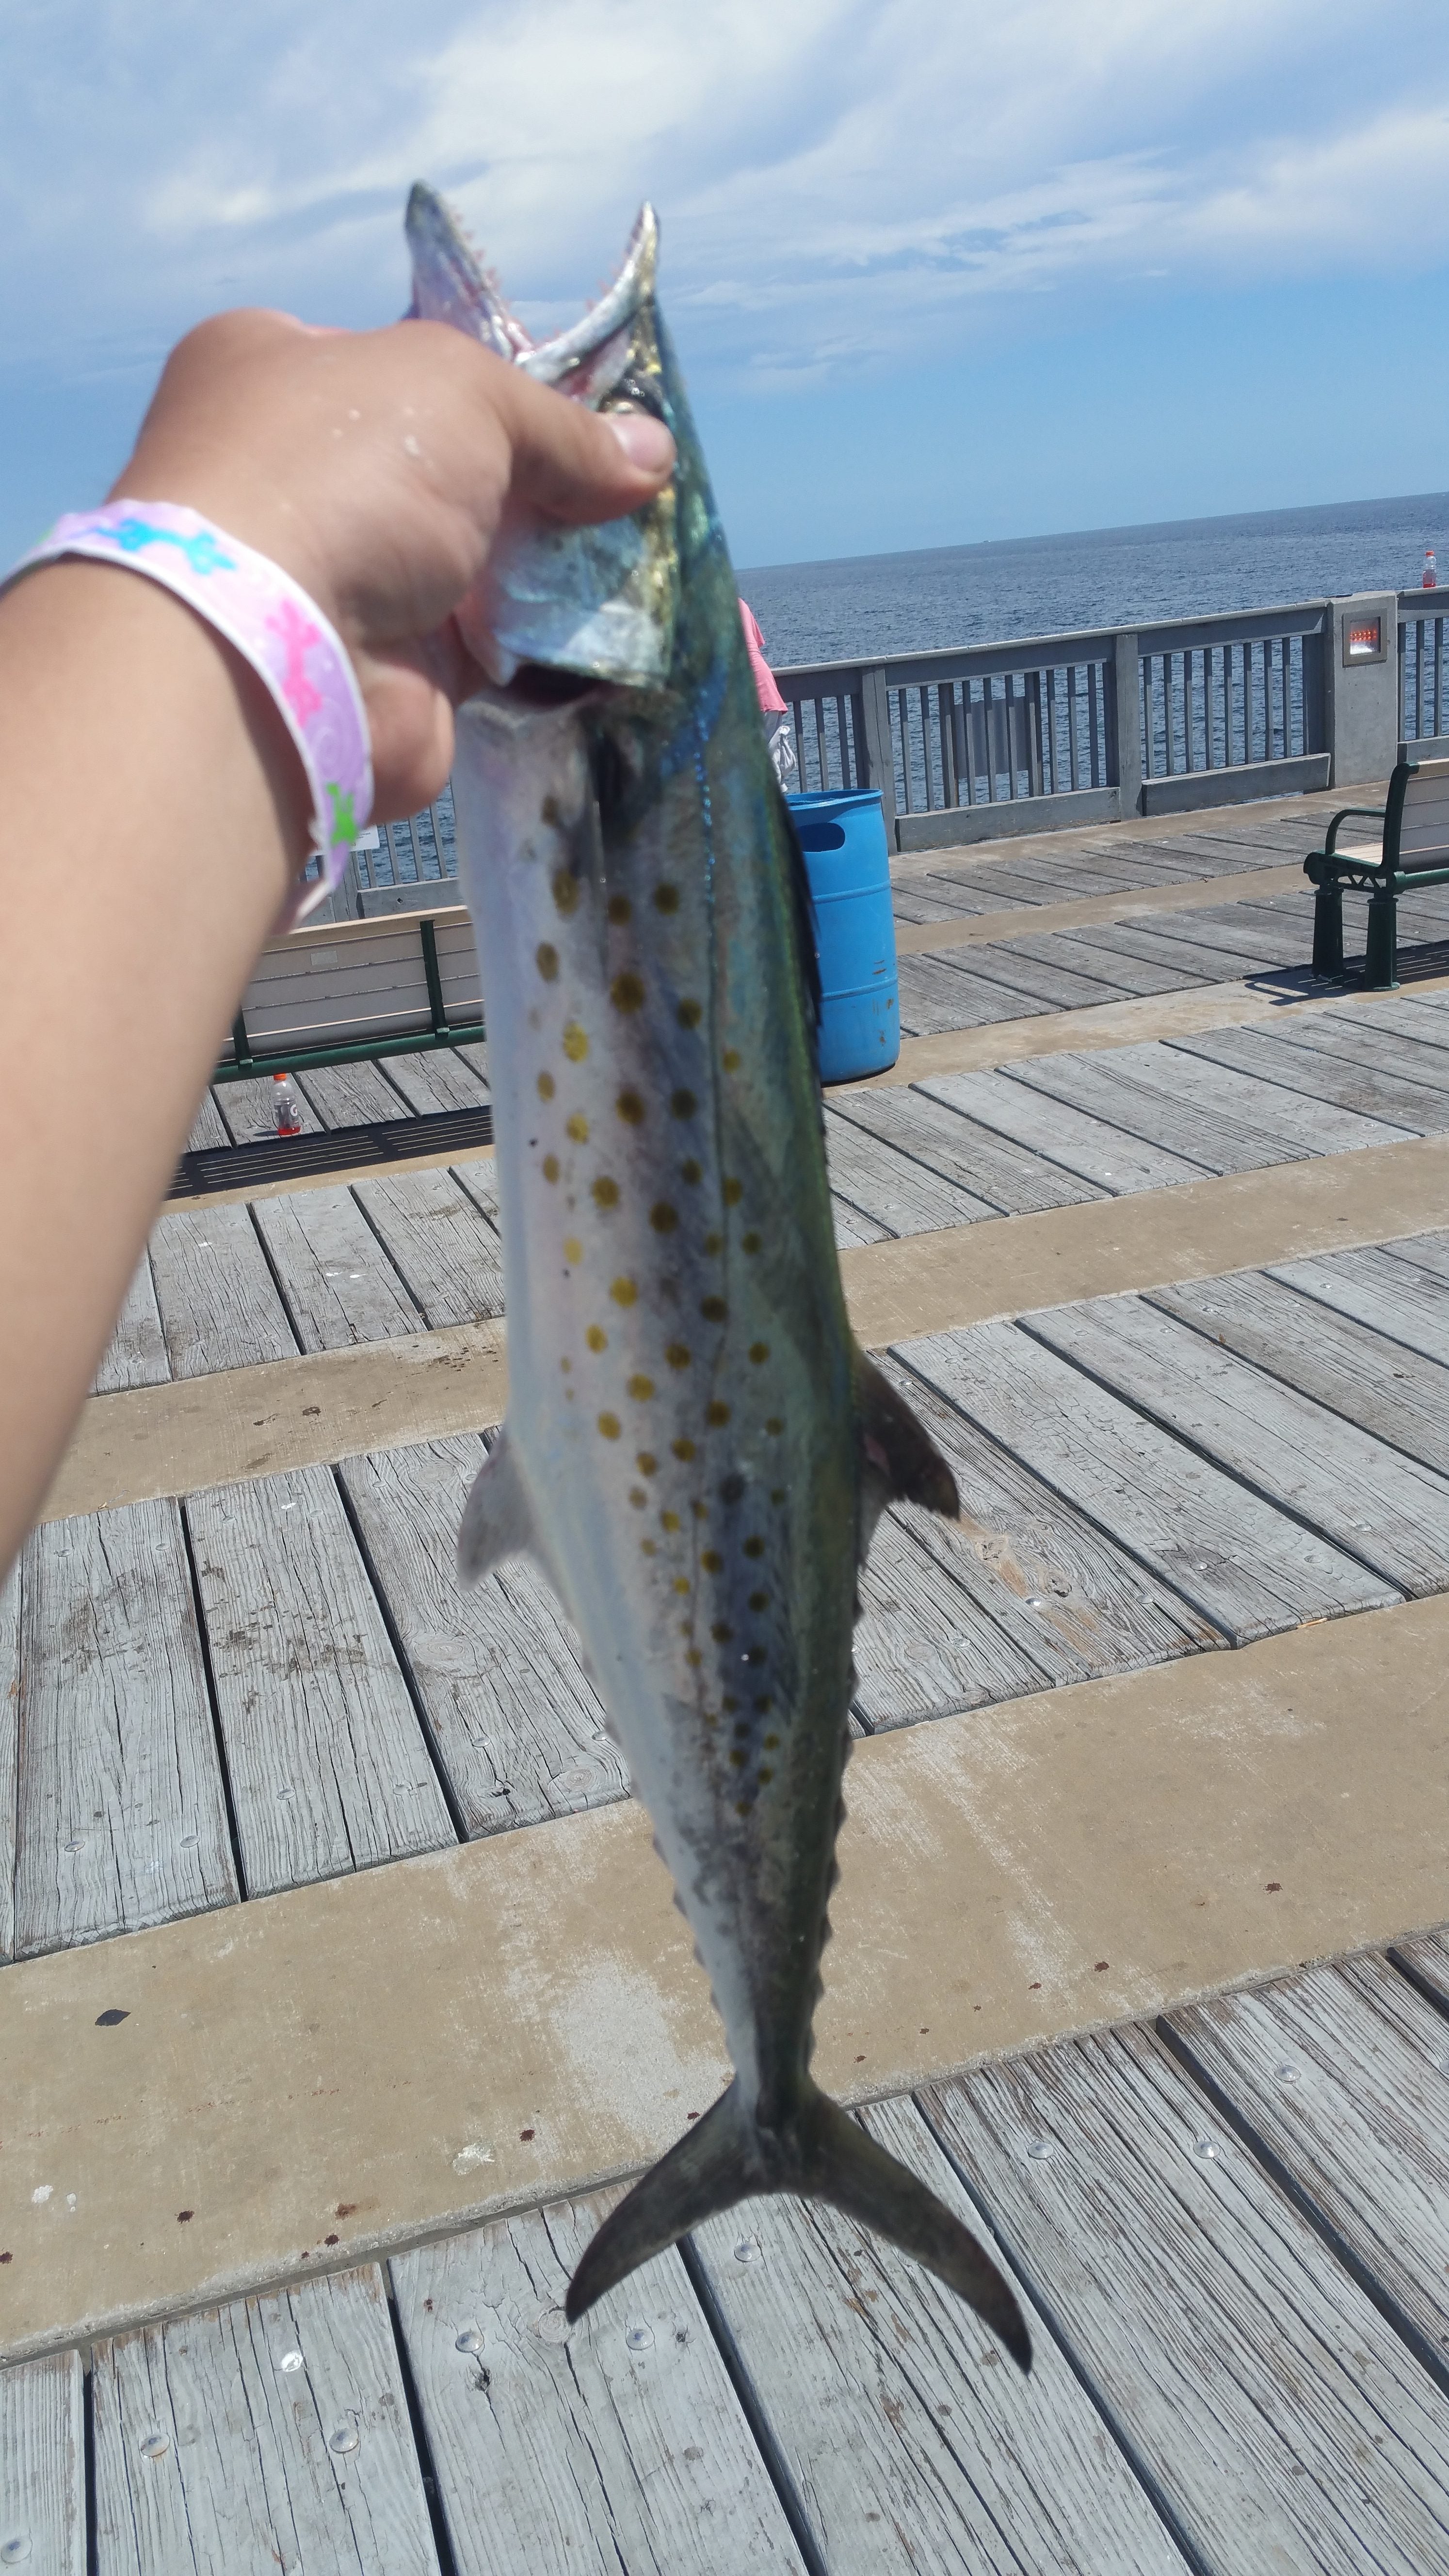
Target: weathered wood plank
1398,1292
1194,951
443,1080
42,2466
1047,979
9,1751
1070,1600
328,1768
208,1130
1008,1177
1368,1499
1339,2072
616,2449
450,1257
936,996
909,2435
1253,933
250,1110
1107,1156
340,1285
136,1352
1382,1386
1129,974
1412,1106
1351,1038
270,2433
911,901
1284,2423
1243,1565
1289,1124
353,1095
1132,1088
518,1727
853,1227
898,1192
122,1820
924,1644
218,1300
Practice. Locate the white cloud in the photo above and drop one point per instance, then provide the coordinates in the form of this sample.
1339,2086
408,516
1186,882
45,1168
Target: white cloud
839,182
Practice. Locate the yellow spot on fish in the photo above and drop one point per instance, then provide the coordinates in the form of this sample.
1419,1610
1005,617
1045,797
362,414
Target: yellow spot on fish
774,1426
663,1217
623,1292
605,1193
713,1309
759,1601
578,1128
722,1633
700,1511
546,959
681,1583
765,1704
545,1086
731,1059
573,1249
609,1425
716,1412
683,1104
711,1560
765,1775
575,1044
646,1462
749,1242
565,891
734,1191
631,1108
769,1742
627,992
714,1243
694,1659
689,1015
566,1365
597,1338
754,1547
647,1547
737,1757
743,1806
677,1355
641,1389
669,1520
690,1172
726,1702
550,1167
666,898
620,909
759,1353
777,1494
638,1497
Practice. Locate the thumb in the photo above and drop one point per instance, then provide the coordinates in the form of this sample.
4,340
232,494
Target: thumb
576,465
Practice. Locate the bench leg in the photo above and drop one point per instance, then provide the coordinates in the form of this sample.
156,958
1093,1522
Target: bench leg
1381,962
1328,931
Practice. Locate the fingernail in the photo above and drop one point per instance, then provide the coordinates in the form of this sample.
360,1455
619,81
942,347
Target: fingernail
645,441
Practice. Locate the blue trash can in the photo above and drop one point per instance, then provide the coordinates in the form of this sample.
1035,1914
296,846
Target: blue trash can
843,838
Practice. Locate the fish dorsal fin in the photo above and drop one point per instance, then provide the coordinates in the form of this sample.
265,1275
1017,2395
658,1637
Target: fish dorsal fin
900,1462
497,1516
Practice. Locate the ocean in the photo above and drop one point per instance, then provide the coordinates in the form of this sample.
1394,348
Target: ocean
863,605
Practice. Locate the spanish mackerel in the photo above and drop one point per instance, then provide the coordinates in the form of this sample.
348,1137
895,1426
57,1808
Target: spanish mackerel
696,1453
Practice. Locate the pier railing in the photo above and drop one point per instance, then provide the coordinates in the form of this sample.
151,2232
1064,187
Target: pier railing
993,739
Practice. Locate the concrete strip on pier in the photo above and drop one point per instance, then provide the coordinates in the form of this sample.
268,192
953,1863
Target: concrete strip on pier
310,2078
314,1410
984,929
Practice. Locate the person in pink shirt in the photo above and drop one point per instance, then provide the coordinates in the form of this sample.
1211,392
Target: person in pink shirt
778,739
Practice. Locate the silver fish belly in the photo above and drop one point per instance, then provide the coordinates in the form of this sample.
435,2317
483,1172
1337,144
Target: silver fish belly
695,1450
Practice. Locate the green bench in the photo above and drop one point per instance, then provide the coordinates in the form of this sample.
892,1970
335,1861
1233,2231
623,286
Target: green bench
1411,850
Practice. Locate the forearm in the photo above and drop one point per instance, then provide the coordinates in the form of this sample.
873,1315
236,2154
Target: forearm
152,816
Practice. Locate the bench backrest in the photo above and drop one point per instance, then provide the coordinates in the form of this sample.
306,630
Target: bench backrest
341,982
1423,814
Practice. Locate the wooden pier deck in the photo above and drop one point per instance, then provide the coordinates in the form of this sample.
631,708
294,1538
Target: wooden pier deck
341,1990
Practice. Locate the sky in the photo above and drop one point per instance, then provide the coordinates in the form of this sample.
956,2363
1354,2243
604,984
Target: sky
936,274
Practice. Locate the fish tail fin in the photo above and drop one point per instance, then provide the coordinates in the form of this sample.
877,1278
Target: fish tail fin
822,2154
707,2170
497,1517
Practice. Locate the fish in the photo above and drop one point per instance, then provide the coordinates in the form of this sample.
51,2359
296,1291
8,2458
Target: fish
696,1451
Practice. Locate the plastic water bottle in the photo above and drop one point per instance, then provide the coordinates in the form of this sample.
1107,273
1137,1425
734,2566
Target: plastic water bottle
1431,574
286,1107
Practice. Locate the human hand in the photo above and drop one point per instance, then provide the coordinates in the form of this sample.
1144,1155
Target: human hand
377,467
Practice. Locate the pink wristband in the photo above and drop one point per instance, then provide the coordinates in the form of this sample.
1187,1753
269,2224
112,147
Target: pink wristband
273,625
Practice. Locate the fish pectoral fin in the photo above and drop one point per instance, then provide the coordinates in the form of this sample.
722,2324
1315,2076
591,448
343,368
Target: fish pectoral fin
898,1456
820,2153
497,1516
